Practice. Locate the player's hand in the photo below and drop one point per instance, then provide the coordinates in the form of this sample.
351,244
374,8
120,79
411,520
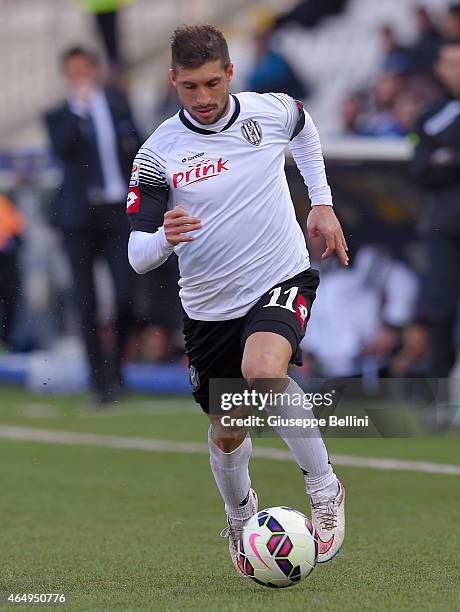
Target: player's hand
177,222
323,222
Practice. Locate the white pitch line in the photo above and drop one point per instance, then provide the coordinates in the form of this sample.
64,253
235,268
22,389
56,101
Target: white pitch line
88,439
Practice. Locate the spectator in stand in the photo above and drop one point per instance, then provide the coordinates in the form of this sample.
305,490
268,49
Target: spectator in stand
397,58
426,27
406,84
271,72
94,137
406,108
451,25
378,119
425,49
387,111
11,228
412,357
353,107
386,91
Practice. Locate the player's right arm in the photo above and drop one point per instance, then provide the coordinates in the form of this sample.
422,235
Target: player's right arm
155,230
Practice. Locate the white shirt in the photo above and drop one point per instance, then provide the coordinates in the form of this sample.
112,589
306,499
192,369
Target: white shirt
231,176
98,108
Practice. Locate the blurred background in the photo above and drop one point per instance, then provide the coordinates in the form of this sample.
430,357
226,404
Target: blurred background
364,69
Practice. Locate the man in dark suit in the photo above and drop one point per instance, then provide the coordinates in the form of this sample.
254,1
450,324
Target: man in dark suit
437,167
94,137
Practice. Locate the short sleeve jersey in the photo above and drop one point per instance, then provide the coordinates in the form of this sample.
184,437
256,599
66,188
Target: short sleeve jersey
234,181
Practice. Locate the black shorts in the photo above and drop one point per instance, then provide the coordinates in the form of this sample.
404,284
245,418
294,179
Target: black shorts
215,348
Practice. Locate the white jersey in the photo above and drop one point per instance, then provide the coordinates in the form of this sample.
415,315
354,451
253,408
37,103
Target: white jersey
233,180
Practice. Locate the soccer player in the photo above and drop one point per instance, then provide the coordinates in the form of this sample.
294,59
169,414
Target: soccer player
209,184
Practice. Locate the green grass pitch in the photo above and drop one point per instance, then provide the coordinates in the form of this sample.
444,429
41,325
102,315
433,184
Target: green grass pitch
134,530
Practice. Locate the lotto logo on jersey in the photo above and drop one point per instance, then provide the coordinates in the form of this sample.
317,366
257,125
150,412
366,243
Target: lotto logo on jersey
200,172
133,201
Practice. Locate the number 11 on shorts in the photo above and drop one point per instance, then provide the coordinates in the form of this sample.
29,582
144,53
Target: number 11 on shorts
276,292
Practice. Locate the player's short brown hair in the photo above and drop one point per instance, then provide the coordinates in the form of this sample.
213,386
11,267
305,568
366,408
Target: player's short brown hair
193,46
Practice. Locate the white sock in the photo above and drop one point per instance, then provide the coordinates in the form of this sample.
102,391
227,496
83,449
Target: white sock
231,473
308,449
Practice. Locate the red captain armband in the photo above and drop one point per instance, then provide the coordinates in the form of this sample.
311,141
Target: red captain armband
133,201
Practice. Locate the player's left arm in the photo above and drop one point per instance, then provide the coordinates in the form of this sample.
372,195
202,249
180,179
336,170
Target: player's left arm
306,151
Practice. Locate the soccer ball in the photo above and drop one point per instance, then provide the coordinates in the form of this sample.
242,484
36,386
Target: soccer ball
277,547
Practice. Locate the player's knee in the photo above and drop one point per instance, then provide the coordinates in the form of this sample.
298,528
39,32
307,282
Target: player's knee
228,438
257,370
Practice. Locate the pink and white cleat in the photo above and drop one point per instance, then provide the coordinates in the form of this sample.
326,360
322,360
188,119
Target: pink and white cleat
234,531
328,517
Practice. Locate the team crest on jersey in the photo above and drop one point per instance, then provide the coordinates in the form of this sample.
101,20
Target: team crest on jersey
252,131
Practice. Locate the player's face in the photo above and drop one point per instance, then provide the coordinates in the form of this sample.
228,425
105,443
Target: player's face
448,67
204,91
